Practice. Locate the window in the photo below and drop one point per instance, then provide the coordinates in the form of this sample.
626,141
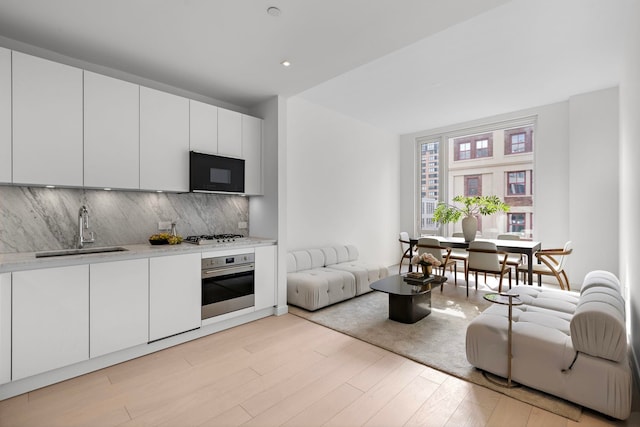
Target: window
482,148
473,146
516,222
430,184
518,140
465,163
516,183
464,151
517,143
473,185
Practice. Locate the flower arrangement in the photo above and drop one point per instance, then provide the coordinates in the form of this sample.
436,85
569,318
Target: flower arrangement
426,258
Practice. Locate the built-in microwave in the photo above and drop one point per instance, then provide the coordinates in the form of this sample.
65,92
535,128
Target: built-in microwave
212,173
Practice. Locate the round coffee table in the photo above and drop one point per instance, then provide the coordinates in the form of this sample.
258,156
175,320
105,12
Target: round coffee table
409,301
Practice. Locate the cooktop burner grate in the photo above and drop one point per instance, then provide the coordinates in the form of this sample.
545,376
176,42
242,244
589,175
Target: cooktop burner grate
213,238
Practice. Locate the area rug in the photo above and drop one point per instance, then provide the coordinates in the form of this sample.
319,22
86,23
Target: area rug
437,341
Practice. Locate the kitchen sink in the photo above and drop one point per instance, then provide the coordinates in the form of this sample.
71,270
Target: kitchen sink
84,251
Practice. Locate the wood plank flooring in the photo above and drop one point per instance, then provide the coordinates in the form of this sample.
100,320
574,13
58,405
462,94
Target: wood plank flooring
278,371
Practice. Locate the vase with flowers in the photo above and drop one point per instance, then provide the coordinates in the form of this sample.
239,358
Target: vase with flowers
472,207
426,261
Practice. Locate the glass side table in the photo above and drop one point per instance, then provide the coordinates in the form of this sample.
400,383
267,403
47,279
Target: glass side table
509,300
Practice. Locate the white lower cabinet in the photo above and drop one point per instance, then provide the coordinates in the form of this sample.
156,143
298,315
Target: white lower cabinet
174,295
5,328
265,277
118,305
50,319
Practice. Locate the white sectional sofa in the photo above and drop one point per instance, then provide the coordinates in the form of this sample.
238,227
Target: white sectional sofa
320,277
569,344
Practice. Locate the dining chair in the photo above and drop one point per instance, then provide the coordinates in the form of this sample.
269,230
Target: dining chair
552,262
443,254
513,259
460,254
405,247
484,257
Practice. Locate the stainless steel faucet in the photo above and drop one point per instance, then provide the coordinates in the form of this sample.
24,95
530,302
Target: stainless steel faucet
83,224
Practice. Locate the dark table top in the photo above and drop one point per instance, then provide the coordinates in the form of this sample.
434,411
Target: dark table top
396,285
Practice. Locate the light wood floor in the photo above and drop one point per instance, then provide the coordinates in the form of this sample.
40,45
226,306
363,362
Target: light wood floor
272,372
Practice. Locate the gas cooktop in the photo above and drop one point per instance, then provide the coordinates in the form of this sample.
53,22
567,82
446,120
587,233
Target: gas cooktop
212,239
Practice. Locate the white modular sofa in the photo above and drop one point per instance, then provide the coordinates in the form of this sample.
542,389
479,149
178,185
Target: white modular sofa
320,277
569,344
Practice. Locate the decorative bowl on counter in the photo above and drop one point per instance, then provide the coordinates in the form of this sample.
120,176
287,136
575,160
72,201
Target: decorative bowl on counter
165,239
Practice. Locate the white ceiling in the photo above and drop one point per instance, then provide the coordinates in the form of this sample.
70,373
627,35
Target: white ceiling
403,65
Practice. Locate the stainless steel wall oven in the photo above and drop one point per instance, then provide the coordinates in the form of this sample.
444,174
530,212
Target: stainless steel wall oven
227,284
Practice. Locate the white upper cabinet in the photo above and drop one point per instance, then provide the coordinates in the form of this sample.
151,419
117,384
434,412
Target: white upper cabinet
111,132
203,127
164,141
5,115
47,122
252,154
229,133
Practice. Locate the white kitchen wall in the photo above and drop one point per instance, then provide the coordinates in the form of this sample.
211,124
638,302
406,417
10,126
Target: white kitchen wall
342,183
630,179
564,163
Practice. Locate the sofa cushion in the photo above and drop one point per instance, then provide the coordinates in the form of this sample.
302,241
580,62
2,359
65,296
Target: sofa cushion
313,289
600,278
598,325
337,254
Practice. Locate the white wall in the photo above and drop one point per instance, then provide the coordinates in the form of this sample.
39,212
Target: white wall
342,183
593,180
630,178
561,158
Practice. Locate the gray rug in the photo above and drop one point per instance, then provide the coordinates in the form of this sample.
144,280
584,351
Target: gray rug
437,341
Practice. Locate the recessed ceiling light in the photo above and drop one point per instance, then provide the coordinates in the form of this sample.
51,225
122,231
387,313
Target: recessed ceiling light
107,189
273,11
286,63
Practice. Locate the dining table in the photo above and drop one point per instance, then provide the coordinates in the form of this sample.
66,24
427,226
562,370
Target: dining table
525,247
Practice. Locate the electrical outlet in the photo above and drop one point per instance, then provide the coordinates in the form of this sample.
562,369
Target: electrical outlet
242,225
164,225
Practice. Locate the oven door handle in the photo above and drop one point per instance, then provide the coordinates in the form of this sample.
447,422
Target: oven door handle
224,271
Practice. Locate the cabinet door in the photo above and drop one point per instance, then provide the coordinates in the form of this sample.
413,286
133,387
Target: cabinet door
174,295
111,132
203,127
252,154
47,122
50,319
5,328
164,141
229,133
5,115
265,277
118,305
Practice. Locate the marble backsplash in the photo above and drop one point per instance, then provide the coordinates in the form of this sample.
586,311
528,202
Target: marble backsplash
35,219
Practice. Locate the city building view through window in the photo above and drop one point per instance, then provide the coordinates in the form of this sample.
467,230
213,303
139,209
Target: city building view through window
497,161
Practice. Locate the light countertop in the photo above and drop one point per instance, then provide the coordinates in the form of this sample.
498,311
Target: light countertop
27,260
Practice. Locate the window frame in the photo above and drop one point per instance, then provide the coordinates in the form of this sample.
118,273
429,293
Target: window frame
445,151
